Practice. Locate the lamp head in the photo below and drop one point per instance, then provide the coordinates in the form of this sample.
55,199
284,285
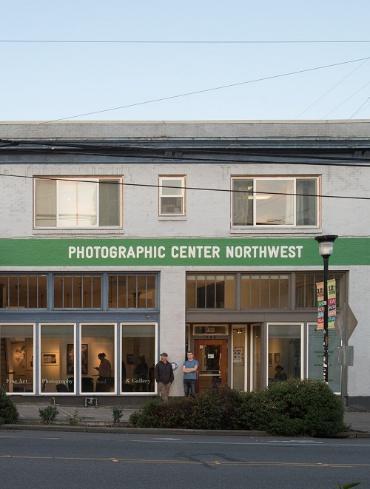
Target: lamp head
326,244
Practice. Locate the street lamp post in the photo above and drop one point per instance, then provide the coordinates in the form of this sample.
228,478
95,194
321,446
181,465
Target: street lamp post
326,245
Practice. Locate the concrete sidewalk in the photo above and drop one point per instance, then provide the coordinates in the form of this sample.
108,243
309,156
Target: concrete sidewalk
102,415
91,415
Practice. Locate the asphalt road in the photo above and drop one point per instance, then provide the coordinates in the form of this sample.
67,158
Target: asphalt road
53,460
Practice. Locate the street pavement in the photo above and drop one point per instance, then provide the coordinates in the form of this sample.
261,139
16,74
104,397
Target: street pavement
358,421
44,460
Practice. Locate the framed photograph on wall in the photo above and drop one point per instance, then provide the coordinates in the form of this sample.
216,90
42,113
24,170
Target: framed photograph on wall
50,359
84,359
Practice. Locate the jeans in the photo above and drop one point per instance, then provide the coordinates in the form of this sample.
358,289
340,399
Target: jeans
189,387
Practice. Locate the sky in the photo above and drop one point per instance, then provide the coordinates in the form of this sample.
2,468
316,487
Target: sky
57,81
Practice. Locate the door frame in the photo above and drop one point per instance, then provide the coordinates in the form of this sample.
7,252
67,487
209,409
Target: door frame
225,360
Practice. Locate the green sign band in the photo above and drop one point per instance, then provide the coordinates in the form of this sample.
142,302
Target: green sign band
179,252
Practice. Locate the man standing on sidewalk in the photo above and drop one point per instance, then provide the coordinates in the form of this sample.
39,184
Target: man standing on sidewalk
164,376
190,368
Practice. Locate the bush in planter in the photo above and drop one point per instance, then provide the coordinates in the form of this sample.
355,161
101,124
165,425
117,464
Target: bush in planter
8,410
305,407
48,414
217,410
253,412
176,413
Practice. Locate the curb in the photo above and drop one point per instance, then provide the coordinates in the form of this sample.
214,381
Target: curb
156,431
126,430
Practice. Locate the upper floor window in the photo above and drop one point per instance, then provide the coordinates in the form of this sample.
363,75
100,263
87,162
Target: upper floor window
278,201
23,291
77,203
132,291
210,291
172,196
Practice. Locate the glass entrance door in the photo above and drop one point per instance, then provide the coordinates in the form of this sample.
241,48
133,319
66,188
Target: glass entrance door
212,358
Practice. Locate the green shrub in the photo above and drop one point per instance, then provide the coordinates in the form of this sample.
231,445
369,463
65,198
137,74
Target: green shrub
305,407
48,414
8,410
74,419
286,408
117,415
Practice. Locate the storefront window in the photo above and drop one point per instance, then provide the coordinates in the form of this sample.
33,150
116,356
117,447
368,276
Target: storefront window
23,291
255,356
138,357
284,352
76,292
132,291
17,358
315,356
57,358
238,357
97,358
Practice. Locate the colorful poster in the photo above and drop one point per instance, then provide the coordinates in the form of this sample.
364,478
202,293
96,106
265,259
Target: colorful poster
332,304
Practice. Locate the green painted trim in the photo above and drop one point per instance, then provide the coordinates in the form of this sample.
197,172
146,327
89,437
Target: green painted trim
179,252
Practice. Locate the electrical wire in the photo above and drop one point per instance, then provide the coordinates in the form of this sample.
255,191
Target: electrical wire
207,90
360,107
184,41
207,189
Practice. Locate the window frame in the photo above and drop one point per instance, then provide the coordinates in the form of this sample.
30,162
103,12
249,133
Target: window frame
55,178
183,194
302,339
156,358
79,370
17,309
39,360
293,178
82,275
136,275
34,379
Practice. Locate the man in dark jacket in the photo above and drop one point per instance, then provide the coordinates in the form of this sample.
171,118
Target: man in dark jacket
164,376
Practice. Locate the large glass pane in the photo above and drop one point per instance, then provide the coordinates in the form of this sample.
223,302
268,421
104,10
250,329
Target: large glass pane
284,291
45,203
141,291
150,291
58,292
220,291
77,204
274,291
138,358
265,291
132,291
315,356
13,291
229,292
113,291
16,358
284,352
246,292
122,291
190,291
306,201
4,291
210,291
238,357
201,291
242,202
57,358
87,204
97,358
275,208
172,205
109,202
256,292
172,187
77,292
256,358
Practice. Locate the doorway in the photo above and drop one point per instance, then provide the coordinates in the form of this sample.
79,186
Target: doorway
213,361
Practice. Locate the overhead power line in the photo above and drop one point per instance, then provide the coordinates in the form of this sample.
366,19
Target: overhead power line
184,41
210,89
206,189
216,156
